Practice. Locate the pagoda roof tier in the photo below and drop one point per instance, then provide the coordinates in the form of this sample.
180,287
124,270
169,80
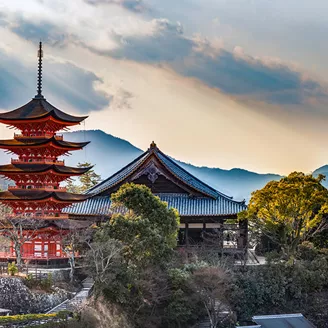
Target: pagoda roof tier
40,195
37,143
39,109
41,168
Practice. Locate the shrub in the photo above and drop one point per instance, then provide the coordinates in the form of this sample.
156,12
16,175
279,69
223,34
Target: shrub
44,284
47,283
306,251
12,268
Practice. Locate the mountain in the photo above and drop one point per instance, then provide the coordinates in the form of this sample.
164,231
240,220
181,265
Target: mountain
106,152
109,154
322,170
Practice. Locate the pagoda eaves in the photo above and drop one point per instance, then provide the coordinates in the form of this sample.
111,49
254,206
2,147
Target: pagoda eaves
40,115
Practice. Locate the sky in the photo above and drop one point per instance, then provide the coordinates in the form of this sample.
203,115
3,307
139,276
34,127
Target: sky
219,83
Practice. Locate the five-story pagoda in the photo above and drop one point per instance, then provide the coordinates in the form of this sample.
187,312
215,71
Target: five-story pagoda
37,171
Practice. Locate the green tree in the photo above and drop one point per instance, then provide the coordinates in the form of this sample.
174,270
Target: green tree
85,181
148,229
72,187
289,211
88,179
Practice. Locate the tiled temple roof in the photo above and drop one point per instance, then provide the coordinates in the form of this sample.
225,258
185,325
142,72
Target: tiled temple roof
118,176
35,194
209,201
36,109
186,205
37,168
29,142
187,177
169,163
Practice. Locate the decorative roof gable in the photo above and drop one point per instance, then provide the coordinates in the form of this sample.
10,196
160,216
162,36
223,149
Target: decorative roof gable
146,164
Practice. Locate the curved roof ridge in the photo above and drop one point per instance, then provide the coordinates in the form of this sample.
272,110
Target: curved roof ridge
32,194
145,154
37,167
37,142
194,177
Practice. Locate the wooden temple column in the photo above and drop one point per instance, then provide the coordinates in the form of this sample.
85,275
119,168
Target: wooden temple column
220,237
242,240
186,234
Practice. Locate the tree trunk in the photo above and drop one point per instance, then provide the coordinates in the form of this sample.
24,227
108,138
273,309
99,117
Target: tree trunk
72,265
18,255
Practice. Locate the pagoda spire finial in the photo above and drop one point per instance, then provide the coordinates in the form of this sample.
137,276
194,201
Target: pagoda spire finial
39,85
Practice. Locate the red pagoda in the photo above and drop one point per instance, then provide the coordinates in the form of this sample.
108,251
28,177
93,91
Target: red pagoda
37,172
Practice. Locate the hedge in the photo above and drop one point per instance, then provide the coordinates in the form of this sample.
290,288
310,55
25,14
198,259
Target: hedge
26,318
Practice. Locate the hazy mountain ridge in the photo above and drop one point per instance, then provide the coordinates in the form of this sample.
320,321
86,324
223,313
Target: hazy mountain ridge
322,170
110,153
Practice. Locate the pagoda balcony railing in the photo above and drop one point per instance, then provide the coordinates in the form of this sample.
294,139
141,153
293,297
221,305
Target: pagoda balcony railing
41,136
45,216
30,256
38,187
37,161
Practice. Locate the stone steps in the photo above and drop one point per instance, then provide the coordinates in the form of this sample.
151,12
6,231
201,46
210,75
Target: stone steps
79,297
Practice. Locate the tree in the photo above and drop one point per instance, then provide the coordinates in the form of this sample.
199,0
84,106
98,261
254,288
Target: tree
148,229
102,260
289,211
88,179
74,239
85,181
18,230
73,187
212,285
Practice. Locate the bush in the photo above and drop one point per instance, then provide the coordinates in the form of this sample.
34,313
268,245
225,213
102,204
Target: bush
25,318
306,251
283,288
12,268
44,284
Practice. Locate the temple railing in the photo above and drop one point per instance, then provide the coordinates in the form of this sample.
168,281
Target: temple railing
38,187
37,161
32,256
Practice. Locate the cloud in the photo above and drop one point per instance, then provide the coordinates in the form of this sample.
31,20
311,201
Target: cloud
233,72
63,81
162,42
75,86
132,5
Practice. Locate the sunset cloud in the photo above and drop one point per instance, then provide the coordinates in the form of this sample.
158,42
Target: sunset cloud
164,43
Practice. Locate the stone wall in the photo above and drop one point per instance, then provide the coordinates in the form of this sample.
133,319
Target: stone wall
15,296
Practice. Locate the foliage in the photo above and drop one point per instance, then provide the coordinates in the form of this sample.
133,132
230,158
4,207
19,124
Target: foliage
14,230
283,288
148,230
213,288
43,284
12,268
183,307
289,211
73,241
86,180
13,319
306,251
103,260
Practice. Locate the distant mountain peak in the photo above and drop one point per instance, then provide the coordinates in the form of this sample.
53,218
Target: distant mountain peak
110,153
